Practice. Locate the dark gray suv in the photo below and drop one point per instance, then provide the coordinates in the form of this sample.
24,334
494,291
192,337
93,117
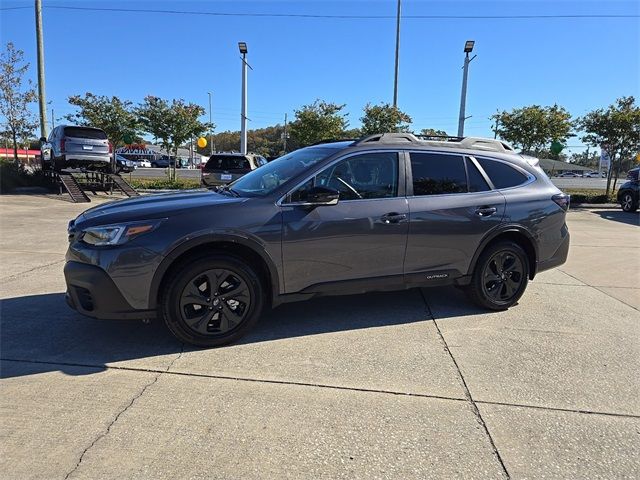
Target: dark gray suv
386,212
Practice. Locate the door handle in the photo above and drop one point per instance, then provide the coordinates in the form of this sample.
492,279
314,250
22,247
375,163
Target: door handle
393,217
486,211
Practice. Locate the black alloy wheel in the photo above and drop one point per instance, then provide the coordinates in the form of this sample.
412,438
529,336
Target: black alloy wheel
212,301
500,277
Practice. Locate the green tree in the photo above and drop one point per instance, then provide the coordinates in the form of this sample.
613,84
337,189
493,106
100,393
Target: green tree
432,132
15,98
384,118
116,117
616,129
586,159
534,128
319,121
172,123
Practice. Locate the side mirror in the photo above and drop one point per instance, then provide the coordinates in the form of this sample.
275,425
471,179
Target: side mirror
43,140
322,196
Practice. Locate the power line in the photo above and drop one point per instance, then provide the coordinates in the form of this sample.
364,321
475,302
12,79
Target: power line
337,16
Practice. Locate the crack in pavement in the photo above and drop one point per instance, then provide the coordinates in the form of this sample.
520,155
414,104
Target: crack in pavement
467,393
11,277
319,385
600,290
113,422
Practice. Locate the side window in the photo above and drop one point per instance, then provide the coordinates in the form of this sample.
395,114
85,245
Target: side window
366,176
477,183
436,174
52,135
501,174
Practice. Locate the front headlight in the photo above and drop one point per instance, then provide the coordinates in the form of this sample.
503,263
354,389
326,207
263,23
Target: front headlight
117,234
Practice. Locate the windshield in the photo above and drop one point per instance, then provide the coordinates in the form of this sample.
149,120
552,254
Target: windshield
264,180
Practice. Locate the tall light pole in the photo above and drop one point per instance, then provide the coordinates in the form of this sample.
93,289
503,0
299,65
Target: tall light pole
211,128
395,78
468,48
243,115
42,102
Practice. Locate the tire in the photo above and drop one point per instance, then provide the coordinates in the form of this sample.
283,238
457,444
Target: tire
194,308
627,203
495,285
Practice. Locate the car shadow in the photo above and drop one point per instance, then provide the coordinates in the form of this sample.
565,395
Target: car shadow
630,218
40,333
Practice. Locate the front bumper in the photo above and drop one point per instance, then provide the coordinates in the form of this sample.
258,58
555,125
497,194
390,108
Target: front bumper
91,292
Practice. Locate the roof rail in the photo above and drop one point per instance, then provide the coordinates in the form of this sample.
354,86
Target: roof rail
334,140
470,143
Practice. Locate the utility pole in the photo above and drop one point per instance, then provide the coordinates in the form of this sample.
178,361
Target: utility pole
395,78
41,90
243,115
468,48
284,135
211,130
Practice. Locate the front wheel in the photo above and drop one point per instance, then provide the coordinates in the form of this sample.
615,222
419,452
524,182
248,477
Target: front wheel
212,301
628,204
500,277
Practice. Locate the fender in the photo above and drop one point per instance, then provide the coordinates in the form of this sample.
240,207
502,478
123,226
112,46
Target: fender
202,239
506,228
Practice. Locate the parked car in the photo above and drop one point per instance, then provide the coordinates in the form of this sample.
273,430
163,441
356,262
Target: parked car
633,173
224,168
590,175
628,195
124,165
162,162
385,212
144,163
76,147
569,175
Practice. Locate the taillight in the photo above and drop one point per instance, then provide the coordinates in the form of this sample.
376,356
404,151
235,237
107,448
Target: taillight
562,200
62,141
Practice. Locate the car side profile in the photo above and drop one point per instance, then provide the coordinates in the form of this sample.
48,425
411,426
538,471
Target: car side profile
386,212
224,168
629,195
76,147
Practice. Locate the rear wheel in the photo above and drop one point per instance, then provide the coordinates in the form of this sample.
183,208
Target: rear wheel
627,203
500,277
212,301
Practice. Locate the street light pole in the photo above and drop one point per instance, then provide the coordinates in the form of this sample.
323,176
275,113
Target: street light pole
395,78
468,48
243,116
211,128
42,103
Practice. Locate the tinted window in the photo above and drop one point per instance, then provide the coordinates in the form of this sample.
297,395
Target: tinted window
435,174
477,183
501,174
227,162
370,175
80,132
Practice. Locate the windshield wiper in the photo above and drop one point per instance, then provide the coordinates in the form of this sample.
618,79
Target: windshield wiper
226,188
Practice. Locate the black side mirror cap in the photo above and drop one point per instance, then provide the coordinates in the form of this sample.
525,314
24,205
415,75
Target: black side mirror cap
43,140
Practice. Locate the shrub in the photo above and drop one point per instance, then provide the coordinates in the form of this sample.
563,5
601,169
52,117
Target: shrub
587,195
164,183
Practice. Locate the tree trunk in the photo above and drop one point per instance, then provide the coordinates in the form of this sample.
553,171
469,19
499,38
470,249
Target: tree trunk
15,146
610,171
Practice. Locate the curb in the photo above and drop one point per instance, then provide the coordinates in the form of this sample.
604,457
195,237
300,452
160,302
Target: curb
594,206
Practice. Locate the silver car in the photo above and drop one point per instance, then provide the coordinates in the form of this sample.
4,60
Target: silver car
76,147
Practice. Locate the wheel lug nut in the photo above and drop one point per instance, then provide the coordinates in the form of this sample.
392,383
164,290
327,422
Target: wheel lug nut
208,299
210,308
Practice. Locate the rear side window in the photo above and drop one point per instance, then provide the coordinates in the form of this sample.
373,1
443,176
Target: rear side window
436,174
477,183
80,132
227,162
501,174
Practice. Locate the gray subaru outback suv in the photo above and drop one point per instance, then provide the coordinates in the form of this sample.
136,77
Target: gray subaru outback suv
385,212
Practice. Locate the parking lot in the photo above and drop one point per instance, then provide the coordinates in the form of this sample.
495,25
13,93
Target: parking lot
411,384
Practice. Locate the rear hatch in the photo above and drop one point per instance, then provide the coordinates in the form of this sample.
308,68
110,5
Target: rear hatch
85,141
223,169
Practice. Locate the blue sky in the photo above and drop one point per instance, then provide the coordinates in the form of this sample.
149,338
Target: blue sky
578,63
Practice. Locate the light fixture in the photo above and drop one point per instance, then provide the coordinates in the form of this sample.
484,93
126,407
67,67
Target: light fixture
468,46
243,47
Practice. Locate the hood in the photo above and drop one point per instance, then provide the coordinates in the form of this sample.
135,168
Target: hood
152,206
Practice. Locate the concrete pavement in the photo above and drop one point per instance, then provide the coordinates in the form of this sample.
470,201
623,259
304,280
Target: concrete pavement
413,384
